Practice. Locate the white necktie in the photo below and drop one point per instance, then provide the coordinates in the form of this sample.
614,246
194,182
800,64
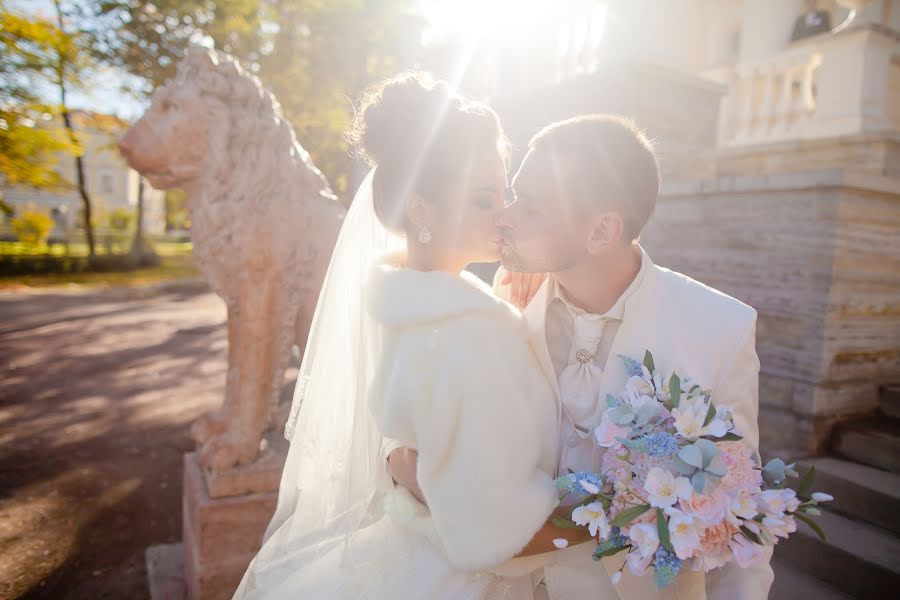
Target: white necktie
579,388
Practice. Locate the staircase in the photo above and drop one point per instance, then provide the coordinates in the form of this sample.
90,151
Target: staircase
861,557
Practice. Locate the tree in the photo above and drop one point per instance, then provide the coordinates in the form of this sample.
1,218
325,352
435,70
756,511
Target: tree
29,141
32,227
315,56
72,60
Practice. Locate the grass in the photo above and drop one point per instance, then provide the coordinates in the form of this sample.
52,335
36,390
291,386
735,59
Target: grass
177,263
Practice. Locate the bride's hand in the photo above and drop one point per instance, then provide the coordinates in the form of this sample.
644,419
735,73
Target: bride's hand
402,465
523,287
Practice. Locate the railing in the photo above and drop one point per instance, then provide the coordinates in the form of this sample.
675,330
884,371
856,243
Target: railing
827,86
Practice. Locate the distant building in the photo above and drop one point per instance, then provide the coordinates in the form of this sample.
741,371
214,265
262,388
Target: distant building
111,184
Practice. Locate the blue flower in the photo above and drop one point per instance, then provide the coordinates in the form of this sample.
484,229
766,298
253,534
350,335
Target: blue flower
665,567
586,483
656,444
661,444
632,367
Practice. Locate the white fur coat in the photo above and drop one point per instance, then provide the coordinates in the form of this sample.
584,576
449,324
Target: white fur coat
458,381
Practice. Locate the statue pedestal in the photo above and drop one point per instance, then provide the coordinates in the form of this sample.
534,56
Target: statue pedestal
224,516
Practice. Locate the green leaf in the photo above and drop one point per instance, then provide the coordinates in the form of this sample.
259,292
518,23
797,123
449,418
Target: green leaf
812,525
675,390
710,415
563,522
804,486
728,437
662,529
751,536
609,551
628,515
648,361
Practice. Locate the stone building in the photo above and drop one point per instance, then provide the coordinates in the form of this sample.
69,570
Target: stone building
781,187
110,183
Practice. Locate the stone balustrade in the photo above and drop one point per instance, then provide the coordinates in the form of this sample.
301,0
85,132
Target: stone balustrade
823,87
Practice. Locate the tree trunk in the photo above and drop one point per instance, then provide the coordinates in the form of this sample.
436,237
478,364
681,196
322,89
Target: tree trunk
79,162
141,252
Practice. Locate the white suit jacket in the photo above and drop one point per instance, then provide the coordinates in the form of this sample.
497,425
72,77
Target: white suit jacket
696,331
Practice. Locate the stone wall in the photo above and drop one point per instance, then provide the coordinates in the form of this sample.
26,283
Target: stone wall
817,253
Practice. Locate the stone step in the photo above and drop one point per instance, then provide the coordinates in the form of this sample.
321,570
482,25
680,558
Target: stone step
889,400
860,492
791,584
857,558
874,441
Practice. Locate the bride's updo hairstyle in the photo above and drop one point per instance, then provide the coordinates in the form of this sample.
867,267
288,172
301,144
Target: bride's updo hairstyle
422,137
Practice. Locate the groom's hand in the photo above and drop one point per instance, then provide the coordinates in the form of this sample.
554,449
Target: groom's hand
402,464
523,287
545,539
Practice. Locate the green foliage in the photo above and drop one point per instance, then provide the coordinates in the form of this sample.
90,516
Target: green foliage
29,139
32,227
121,220
177,214
315,56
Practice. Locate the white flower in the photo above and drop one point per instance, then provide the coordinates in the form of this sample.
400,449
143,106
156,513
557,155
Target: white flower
746,553
664,489
616,577
774,503
608,432
560,543
684,533
780,527
743,507
820,497
637,563
639,386
589,487
645,537
594,517
690,416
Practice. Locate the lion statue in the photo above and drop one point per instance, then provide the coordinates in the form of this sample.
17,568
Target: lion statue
264,224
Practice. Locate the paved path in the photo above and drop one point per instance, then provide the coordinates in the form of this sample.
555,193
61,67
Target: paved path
97,392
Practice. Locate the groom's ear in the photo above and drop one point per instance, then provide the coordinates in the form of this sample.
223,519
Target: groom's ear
606,229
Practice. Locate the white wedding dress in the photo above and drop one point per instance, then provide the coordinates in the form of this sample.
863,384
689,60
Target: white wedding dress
441,366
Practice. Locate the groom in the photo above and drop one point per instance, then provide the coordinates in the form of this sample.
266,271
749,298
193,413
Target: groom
584,193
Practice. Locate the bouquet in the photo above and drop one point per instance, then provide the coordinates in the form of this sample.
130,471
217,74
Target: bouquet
678,489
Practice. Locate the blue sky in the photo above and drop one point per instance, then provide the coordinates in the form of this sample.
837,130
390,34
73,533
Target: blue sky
103,94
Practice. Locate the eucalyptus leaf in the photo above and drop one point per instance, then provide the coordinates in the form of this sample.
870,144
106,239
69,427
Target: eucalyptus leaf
628,515
692,455
698,480
662,530
717,467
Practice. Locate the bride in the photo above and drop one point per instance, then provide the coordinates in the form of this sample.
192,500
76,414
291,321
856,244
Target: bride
407,346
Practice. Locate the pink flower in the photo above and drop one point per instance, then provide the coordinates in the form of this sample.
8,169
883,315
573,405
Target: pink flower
607,432
709,508
746,553
741,474
637,563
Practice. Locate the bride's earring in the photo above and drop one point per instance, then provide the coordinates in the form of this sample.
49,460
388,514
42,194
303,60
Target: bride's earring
424,235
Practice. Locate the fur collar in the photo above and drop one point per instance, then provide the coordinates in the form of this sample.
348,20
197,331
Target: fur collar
401,297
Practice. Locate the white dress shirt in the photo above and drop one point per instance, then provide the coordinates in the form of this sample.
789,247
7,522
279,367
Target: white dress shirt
579,344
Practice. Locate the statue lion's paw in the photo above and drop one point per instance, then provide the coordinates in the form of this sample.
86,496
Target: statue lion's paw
226,450
208,425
